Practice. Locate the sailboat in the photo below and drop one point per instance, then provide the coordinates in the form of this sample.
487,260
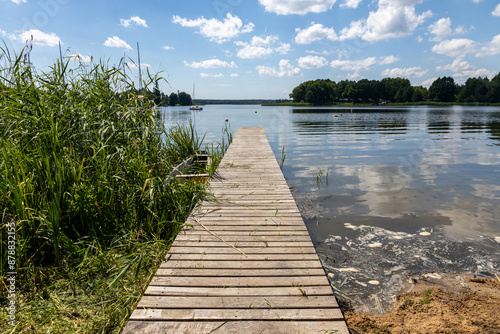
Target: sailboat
195,107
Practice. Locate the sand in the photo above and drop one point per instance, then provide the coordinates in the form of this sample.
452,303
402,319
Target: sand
437,303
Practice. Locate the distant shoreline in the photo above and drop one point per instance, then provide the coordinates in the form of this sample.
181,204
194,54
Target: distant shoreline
390,104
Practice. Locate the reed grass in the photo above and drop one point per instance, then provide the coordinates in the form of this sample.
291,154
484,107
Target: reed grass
83,165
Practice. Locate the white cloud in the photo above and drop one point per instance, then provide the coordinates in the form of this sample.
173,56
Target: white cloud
462,69
440,29
315,32
40,38
217,31
135,66
496,12
492,48
115,42
410,72
393,18
285,69
427,83
350,3
458,65
260,47
354,65
209,75
310,62
18,1
300,7
81,58
168,48
133,20
454,47
354,76
8,35
234,75
388,60
211,63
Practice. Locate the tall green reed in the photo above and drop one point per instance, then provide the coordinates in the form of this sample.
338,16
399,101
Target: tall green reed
84,160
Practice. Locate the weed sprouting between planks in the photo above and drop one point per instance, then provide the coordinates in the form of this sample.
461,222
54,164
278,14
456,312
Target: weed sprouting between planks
83,165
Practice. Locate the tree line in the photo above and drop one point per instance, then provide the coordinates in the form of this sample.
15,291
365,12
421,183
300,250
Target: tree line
445,89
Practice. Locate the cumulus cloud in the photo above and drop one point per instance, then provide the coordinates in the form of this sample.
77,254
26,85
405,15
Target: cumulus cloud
284,69
18,1
217,31
354,65
209,75
168,48
234,75
260,47
211,63
350,3
81,58
410,72
458,65
300,7
457,47
393,18
440,29
115,42
310,62
492,48
315,32
39,37
496,12
388,60
135,66
133,20
463,70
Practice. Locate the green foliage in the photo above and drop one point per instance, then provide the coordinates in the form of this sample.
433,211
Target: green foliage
83,165
443,89
396,90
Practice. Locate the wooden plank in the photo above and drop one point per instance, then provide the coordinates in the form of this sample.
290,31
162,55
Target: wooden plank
242,238
246,250
232,281
236,314
285,302
241,264
240,272
240,257
225,327
257,244
239,291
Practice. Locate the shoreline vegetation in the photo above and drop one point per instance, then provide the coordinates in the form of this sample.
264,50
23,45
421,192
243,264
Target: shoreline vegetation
388,105
83,166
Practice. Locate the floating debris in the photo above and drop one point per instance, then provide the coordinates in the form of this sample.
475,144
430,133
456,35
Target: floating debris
424,234
373,282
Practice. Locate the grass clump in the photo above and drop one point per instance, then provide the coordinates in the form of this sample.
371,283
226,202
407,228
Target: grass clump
83,165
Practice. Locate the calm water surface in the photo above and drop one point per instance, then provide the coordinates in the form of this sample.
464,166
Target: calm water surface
384,192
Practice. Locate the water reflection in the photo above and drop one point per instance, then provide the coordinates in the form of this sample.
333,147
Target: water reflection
408,189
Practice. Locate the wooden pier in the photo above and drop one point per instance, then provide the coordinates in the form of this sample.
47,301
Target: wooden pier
244,263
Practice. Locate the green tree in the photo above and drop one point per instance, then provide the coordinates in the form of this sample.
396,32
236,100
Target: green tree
443,89
475,90
173,99
495,89
185,99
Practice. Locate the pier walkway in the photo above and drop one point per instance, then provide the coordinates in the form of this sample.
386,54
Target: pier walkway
244,263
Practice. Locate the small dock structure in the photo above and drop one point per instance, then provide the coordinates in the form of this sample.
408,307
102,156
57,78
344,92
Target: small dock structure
244,263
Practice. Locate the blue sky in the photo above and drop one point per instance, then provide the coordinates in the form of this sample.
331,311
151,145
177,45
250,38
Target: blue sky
235,49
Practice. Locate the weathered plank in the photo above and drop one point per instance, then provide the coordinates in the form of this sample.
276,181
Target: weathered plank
243,263
285,302
261,327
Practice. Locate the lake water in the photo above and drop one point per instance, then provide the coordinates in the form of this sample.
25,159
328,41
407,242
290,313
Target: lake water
384,192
